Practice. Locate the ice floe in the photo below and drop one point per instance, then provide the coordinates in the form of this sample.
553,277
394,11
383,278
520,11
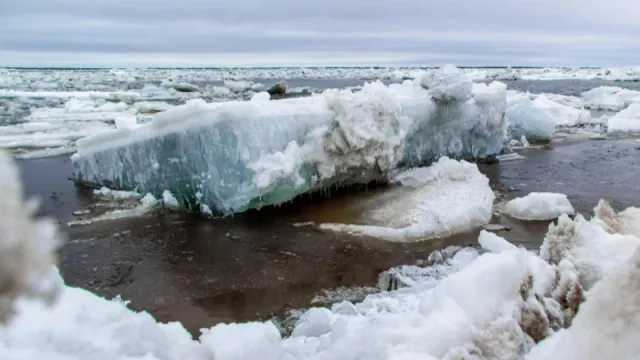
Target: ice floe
446,198
626,121
239,155
539,206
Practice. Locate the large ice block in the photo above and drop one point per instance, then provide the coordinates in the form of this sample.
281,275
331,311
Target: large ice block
234,156
525,119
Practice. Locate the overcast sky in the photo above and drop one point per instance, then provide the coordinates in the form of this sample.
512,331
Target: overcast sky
319,32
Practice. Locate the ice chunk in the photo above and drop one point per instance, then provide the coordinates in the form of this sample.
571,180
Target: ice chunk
260,341
116,194
564,115
609,98
242,155
241,86
146,204
181,87
169,200
444,262
608,323
539,206
448,84
126,122
525,119
626,121
315,322
261,96
446,198
626,222
150,107
494,243
593,250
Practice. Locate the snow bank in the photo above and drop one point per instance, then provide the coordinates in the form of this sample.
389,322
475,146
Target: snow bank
539,206
235,156
625,121
446,198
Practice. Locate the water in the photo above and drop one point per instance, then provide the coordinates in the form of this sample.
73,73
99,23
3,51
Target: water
258,265
584,170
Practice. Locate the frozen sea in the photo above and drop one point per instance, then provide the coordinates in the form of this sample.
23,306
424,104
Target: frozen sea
262,265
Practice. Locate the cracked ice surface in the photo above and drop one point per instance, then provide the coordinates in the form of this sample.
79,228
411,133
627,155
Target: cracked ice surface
234,156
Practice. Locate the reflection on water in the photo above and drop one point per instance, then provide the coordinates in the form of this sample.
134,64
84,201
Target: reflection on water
47,179
199,271
254,265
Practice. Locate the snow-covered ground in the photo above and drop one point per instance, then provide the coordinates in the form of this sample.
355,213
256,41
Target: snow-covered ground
576,298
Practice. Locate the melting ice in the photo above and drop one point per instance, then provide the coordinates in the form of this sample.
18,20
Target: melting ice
235,156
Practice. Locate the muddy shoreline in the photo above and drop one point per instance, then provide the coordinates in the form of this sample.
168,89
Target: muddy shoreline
257,265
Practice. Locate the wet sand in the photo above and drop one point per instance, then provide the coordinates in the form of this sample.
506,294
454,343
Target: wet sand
256,265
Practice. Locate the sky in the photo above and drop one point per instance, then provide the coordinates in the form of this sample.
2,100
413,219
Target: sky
151,33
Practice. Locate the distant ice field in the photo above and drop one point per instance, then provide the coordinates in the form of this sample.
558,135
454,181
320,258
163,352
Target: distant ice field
44,111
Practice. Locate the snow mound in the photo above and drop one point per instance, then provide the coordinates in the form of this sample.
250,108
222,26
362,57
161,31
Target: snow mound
446,198
539,206
443,318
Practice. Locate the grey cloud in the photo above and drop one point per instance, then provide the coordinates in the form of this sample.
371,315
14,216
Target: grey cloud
560,31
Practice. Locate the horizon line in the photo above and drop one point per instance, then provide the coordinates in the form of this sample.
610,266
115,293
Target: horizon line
294,67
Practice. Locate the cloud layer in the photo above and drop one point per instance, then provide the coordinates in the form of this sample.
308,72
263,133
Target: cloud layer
327,32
